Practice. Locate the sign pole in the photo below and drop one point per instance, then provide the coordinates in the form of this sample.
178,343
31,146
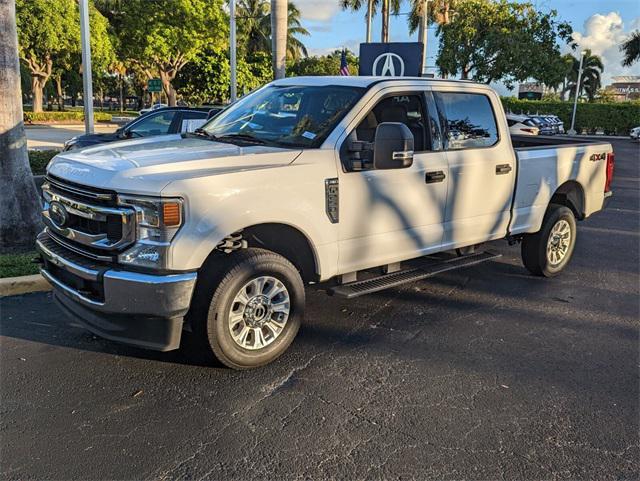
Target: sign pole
232,46
87,94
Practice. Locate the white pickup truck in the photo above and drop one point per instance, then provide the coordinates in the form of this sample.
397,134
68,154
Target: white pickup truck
354,182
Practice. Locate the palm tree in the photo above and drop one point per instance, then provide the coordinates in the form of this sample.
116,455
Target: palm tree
19,209
631,49
254,25
254,28
388,6
590,82
439,12
278,19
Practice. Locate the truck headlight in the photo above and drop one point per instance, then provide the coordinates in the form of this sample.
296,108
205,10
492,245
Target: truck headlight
158,220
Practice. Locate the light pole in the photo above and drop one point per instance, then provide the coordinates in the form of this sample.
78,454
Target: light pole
572,130
87,94
232,53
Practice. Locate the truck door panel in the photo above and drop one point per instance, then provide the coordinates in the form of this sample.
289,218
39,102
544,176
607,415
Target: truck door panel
481,168
396,214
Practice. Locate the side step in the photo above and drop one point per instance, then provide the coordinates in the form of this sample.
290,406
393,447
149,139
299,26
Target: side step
430,268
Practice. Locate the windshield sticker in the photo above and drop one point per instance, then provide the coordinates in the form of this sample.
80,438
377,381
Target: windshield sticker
308,135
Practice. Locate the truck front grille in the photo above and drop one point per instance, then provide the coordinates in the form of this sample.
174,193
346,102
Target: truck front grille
87,220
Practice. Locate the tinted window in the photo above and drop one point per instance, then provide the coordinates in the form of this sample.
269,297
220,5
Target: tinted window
154,124
406,109
470,120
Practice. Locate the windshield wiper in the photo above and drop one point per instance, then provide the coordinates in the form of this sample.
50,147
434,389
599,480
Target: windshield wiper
200,132
242,137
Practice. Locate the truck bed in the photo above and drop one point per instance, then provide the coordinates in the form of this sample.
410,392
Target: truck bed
521,142
547,165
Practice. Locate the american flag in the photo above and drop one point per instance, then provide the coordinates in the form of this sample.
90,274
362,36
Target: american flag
344,67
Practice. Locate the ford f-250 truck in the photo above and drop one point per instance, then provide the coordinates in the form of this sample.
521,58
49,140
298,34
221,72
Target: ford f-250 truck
355,182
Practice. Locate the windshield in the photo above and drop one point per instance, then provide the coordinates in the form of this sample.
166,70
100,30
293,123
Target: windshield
288,116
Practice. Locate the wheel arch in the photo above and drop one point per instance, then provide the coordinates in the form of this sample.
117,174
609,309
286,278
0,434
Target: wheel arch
284,239
571,195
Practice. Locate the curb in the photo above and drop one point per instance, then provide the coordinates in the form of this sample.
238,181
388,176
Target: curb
13,286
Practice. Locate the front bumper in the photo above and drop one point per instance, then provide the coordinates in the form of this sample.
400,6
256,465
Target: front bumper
134,308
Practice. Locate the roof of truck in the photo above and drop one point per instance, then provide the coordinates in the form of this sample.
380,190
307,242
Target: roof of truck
358,81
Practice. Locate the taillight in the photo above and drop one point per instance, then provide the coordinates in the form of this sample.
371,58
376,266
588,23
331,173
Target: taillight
610,164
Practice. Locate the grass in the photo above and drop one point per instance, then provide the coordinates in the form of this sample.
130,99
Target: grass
14,265
39,160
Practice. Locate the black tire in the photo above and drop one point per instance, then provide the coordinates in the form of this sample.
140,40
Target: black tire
219,282
534,246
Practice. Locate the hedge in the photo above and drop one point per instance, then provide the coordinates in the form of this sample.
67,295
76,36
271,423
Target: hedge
64,116
611,118
38,159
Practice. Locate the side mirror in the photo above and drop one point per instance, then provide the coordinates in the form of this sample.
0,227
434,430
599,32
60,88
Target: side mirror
393,146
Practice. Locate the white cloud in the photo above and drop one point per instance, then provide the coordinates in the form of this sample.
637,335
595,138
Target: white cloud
318,10
603,34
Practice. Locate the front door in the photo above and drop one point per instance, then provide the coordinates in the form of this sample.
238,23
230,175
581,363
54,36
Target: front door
393,214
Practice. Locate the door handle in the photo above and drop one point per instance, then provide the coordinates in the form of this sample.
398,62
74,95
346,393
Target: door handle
503,169
433,177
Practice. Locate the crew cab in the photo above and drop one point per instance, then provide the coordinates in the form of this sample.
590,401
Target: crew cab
357,183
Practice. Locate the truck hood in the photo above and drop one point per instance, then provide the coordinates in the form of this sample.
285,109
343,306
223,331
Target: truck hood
146,166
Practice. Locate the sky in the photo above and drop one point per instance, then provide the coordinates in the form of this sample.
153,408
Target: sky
598,25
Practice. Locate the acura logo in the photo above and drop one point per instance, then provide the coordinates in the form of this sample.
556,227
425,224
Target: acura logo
388,65
58,214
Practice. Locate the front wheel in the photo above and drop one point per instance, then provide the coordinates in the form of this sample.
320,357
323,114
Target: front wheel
548,251
248,310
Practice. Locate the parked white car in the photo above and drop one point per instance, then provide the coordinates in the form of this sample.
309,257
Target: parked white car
306,180
635,133
521,125
152,108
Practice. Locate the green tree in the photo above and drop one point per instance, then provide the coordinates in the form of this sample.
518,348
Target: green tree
631,49
49,36
207,78
254,28
46,29
165,35
438,11
590,82
498,40
322,65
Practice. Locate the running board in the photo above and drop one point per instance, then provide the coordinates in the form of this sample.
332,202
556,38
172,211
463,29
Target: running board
430,269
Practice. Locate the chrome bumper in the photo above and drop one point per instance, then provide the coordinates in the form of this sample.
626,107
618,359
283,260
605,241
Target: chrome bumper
135,308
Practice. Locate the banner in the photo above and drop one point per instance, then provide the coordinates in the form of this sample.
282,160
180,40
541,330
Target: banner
397,59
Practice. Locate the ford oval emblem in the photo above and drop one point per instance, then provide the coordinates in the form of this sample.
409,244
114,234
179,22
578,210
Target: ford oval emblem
58,214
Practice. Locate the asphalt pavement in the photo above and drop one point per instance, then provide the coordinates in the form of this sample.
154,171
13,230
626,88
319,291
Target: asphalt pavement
53,137
485,373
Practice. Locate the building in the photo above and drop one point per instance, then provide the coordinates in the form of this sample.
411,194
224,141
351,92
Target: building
625,87
530,90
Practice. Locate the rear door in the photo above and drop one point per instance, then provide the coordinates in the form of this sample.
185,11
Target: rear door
481,167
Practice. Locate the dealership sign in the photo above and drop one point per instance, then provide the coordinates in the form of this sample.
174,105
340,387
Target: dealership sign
397,59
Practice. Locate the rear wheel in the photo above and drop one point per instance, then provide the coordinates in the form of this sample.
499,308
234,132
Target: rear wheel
248,310
548,251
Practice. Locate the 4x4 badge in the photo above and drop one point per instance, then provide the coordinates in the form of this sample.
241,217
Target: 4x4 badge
597,157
